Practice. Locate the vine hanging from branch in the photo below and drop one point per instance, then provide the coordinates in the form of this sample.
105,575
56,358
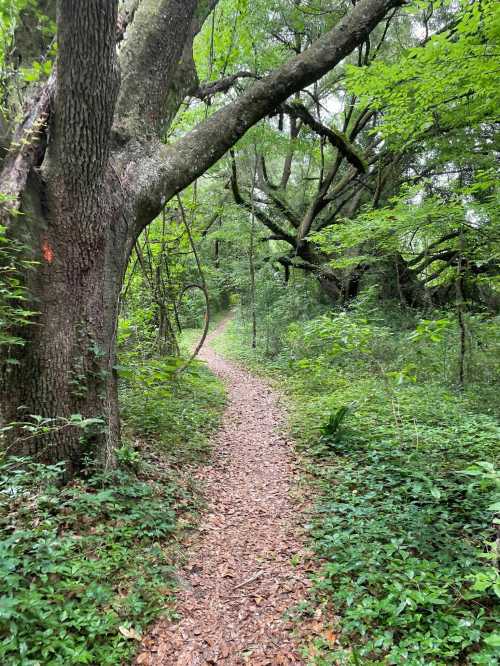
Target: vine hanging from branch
202,287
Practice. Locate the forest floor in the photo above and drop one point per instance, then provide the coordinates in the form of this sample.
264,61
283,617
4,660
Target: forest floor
241,577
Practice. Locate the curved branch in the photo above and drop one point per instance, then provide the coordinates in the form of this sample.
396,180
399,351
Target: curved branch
259,214
203,288
336,138
443,239
207,90
205,328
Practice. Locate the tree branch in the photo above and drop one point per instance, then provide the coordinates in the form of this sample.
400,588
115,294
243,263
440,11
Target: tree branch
156,63
443,239
169,169
295,128
445,255
207,90
337,139
270,191
259,214
26,148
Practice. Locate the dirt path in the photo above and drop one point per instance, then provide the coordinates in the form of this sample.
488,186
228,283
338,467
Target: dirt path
240,578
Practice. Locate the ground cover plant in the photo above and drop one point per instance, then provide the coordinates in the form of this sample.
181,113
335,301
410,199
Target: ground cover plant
87,566
404,468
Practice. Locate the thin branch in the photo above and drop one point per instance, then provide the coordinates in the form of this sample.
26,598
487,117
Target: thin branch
336,138
202,287
207,90
259,214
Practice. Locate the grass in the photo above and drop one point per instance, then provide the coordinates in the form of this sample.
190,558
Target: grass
190,336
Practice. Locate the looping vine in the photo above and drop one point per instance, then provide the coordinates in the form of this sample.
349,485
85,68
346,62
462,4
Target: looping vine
202,287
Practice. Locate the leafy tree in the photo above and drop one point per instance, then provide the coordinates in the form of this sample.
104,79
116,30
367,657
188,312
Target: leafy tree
394,128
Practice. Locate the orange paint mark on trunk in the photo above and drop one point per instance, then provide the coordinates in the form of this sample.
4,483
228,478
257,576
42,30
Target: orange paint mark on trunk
47,252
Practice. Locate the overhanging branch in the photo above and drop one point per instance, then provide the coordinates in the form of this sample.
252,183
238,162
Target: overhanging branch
259,214
336,138
207,90
169,169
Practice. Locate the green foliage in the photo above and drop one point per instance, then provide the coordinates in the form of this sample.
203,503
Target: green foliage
429,227
27,29
331,430
403,460
13,296
451,80
177,413
127,456
86,567
80,562
404,516
402,539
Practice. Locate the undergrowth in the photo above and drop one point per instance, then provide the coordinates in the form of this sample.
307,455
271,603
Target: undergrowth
402,463
85,567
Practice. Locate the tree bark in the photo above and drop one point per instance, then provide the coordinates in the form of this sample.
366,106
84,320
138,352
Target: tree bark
65,366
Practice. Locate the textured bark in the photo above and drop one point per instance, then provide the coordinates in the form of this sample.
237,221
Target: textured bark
65,366
102,175
157,64
152,49
26,149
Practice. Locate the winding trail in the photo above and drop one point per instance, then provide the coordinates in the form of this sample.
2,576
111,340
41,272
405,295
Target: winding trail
240,579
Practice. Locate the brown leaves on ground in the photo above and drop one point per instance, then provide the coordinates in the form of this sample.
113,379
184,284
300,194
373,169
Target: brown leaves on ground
240,580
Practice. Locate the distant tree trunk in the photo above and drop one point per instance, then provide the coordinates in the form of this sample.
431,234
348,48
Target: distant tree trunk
330,288
251,262
399,282
460,307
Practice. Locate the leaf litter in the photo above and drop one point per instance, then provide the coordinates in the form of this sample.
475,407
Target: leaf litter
245,568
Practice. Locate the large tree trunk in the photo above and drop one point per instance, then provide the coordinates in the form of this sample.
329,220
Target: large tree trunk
66,365
70,225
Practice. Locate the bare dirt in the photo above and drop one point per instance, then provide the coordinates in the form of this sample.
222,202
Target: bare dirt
240,580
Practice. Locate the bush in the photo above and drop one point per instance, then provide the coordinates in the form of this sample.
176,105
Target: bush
178,412
80,564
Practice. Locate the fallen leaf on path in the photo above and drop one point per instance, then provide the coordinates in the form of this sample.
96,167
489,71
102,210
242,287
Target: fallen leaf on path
129,633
